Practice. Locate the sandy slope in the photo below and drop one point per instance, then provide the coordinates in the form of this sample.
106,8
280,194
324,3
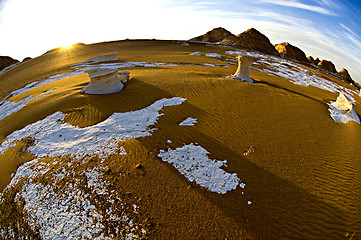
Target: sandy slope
301,169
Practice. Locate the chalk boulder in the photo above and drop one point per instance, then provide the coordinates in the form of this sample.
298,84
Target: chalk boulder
105,81
342,110
343,103
244,66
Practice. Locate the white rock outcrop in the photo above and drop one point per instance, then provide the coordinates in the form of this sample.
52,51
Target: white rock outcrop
342,110
105,81
123,76
244,66
343,103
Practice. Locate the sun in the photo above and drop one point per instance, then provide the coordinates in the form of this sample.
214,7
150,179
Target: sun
67,47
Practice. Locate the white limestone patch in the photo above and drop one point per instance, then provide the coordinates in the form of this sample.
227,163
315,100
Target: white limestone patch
50,79
189,122
8,107
192,161
215,55
90,67
56,211
52,137
214,65
195,54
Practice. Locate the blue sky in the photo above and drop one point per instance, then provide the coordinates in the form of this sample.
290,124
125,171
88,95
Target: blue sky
328,29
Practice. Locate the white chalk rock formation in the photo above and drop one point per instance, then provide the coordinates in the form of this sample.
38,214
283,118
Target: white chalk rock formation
342,110
244,66
343,103
123,76
105,81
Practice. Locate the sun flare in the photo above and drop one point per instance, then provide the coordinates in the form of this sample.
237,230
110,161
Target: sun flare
67,47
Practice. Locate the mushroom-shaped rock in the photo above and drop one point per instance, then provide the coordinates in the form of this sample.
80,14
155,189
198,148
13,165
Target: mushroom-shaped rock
244,65
104,81
343,103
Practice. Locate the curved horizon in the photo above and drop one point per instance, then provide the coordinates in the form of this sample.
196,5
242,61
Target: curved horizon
327,29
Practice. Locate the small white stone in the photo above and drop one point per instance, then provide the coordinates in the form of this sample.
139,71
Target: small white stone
188,122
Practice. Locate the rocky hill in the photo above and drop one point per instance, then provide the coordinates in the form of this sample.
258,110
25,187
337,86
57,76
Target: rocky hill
327,65
6,61
344,74
289,51
251,40
215,35
313,61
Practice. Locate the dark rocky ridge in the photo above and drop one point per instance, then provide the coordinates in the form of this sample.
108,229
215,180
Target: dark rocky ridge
215,35
289,51
327,65
252,40
313,61
6,61
344,74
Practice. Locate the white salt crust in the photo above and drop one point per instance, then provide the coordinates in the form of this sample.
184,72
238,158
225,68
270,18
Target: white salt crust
66,212
192,162
52,137
189,122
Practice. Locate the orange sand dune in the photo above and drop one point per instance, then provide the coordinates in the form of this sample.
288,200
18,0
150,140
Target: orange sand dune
301,169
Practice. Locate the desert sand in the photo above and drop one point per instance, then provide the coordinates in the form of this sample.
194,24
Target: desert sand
289,170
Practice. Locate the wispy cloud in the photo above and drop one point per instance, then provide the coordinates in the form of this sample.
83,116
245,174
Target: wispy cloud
349,30
299,5
329,3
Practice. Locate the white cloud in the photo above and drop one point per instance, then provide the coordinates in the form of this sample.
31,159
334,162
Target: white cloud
348,29
329,3
299,5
